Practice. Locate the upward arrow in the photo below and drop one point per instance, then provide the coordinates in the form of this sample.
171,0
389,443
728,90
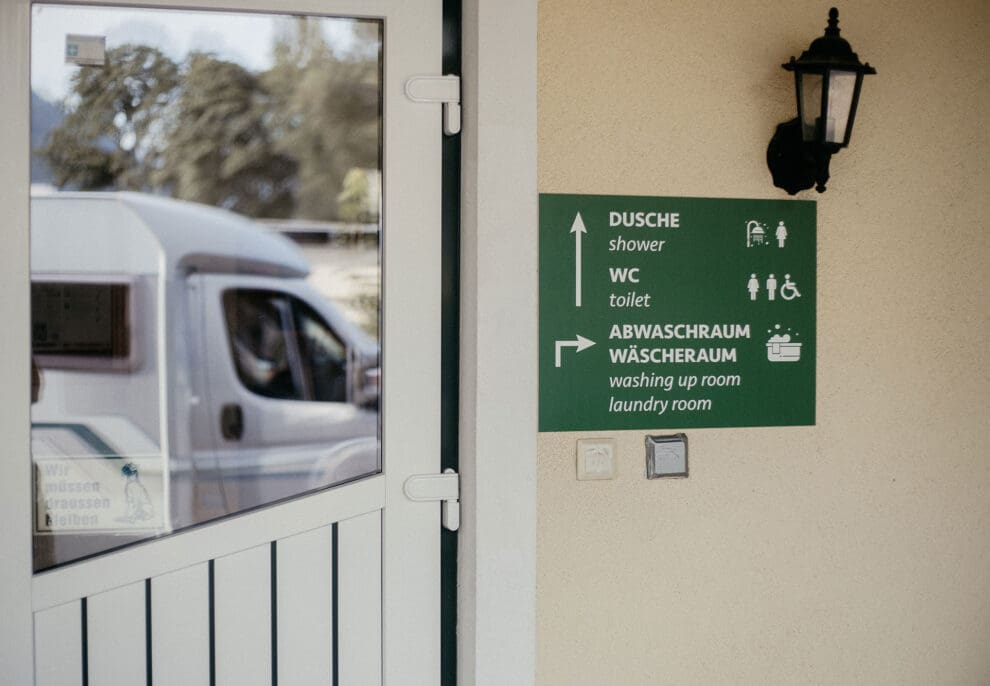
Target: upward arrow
577,228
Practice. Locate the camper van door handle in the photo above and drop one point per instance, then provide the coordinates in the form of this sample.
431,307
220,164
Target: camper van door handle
232,422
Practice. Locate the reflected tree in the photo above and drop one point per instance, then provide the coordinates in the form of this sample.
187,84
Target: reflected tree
292,141
111,135
327,114
355,201
220,150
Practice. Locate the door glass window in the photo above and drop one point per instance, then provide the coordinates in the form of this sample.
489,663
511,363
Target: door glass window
205,263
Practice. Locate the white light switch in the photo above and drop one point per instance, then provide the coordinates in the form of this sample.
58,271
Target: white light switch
595,459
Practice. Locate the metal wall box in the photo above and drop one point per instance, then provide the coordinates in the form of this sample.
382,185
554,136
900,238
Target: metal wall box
666,456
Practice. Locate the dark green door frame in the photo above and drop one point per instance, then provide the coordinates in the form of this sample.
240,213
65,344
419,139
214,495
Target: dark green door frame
450,345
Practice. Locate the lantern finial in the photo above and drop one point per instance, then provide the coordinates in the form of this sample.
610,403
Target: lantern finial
833,23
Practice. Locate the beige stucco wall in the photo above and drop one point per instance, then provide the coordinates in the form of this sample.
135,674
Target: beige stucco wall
853,552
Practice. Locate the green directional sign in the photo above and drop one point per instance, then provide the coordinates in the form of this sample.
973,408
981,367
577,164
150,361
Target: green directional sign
662,313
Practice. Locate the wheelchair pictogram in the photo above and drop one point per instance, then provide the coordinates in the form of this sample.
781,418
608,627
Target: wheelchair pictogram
788,290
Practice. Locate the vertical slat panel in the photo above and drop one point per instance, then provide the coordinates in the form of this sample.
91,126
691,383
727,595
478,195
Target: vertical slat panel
58,646
116,636
180,627
359,569
242,606
304,587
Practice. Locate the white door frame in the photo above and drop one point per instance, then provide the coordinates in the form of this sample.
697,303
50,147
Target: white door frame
496,595
16,644
497,553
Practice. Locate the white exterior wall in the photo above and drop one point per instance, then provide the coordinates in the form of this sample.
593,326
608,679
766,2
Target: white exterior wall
853,552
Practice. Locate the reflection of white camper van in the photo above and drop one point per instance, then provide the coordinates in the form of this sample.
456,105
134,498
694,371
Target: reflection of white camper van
187,370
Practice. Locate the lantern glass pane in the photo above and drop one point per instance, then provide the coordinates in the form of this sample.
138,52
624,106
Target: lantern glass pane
841,87
811,104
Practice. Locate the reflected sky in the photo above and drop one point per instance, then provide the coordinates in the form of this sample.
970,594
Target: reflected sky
238,37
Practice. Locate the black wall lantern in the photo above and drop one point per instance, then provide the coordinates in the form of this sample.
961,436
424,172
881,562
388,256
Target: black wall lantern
827,76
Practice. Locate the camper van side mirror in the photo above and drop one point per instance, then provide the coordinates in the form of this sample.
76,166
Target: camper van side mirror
232,422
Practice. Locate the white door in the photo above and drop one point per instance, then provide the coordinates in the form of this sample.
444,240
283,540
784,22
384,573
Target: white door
221,422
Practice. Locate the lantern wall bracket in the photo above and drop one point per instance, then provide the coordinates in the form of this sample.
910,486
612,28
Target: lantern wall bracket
793,164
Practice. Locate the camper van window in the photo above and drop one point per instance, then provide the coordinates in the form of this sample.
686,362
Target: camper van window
259,326
323,356
79,325
283,349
